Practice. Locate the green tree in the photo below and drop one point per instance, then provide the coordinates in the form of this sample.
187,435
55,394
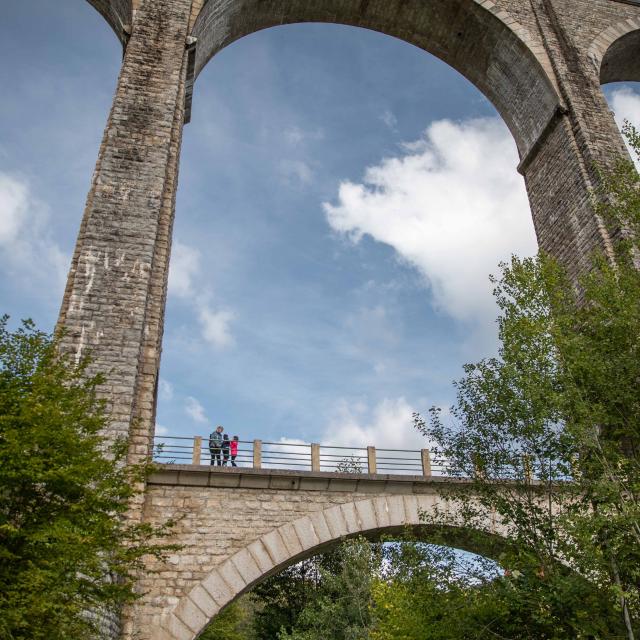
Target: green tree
67,550
235,622
342,604
549,430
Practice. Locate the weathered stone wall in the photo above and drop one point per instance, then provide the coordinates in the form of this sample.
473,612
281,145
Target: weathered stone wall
235,527
113,305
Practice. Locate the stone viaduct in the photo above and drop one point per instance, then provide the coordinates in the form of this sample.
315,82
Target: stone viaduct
540,62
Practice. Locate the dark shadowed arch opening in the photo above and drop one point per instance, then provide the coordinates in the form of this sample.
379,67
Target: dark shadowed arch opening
621,62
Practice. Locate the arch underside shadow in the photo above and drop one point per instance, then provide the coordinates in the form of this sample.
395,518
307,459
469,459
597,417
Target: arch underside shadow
308,535
621,62
470,38
117,13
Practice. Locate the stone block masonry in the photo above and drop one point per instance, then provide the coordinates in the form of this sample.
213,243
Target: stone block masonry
540,62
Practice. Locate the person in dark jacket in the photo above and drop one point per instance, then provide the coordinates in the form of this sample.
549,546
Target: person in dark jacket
215,445
225,449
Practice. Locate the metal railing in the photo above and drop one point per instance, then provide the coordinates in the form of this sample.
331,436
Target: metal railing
258,454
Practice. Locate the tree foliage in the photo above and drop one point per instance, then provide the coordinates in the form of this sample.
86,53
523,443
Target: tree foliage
66,549
549,430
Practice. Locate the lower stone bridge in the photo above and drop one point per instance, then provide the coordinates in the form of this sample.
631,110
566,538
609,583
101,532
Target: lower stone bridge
236,526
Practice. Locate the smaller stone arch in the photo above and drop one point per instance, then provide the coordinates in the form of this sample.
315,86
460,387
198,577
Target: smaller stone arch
292,542
615,52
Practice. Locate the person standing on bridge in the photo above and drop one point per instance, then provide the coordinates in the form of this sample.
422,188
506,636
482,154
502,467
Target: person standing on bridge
215,446
234,451
225,449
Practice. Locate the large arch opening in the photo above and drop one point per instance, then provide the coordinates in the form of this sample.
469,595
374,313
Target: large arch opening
278,323
494,55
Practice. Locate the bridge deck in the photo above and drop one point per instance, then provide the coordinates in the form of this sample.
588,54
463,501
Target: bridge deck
246,478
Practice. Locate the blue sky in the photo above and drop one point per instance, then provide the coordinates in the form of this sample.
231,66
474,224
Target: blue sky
343,197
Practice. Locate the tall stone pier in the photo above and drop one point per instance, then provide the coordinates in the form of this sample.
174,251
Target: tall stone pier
540,62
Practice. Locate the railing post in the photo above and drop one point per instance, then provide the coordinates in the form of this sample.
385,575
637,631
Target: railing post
315,457
526,463
197,450
425,454
257,454
371,460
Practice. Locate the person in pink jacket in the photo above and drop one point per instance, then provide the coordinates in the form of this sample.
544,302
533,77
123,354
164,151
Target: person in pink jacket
234,450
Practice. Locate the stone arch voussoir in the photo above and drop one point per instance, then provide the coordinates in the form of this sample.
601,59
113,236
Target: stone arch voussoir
289,543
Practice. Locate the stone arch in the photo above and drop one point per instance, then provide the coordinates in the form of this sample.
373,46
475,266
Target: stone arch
117,13
482,42
615,52
294,541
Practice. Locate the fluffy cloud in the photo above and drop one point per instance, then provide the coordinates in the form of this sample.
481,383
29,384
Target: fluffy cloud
215,324
388,425
26,247
216,327
184,267
165,390
452,205
626,106
195,410
14,207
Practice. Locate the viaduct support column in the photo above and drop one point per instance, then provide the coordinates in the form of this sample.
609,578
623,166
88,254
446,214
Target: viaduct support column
561,168
113,305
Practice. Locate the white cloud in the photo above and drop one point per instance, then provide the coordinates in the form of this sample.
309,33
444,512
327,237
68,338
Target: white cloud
389,119
388,425
14,208
626,106
195,410
165,390
296,172
27,249
183,268
294,135
452,205
216,326
161,430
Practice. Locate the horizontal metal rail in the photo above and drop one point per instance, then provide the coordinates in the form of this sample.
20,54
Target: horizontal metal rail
257,454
